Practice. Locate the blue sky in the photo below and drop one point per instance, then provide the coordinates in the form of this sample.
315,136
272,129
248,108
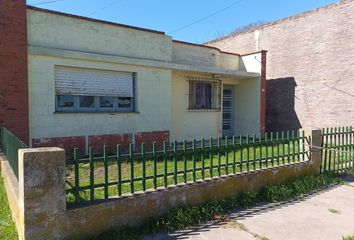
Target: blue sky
168,16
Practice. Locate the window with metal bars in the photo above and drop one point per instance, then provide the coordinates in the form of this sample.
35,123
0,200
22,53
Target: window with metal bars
204,94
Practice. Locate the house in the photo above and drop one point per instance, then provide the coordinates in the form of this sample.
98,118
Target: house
72,81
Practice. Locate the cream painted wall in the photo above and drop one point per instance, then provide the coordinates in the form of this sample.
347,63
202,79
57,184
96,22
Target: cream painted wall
67,33
247,102
203,56
193,124
57,31
153,102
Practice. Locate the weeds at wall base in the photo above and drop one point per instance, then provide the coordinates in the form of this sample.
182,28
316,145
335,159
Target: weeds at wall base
188,216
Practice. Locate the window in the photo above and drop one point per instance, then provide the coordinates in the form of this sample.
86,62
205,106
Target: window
90,90
204,94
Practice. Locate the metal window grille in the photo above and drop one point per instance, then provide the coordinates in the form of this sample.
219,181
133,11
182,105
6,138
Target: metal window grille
204,94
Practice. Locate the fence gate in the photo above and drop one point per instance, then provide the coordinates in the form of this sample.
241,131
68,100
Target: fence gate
337,149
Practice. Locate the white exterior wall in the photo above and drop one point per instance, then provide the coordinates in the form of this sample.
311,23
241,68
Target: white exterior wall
153,89
247,102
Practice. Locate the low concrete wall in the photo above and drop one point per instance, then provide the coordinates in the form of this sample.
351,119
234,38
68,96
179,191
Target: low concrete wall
42,197
11,187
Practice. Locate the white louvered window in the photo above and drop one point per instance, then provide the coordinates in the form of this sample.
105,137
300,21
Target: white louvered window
91,90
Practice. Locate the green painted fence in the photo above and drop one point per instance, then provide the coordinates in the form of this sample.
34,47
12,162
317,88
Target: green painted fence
10,145
337,149
100,176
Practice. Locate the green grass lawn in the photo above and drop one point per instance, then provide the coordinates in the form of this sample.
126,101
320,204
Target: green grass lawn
7,226
221,164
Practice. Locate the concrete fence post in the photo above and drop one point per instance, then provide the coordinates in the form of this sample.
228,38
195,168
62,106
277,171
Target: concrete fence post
313,144
42,194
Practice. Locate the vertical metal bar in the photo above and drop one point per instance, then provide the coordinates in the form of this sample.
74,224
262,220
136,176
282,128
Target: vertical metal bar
77,176
272,146
288,145
175,149
283,147
303,145
247,153
185,161
277,143
298,145
165,163
293,145
234,154
260,152
105,162
346,147
254,150
131,158
336,163
219,157
266,149
154,164
325,145
92,175
241,154
194,161
119,163
202,157
226,155
143,156
211,157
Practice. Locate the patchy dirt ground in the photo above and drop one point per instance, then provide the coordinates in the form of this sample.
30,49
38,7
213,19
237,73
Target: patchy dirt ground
327,214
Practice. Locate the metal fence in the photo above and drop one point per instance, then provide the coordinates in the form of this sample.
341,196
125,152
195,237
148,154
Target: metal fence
10,145
337,149
110,174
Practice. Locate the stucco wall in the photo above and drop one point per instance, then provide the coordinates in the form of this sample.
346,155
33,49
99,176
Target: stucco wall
247,115
162,99
153,90
310,69
203,56
199,124
57,31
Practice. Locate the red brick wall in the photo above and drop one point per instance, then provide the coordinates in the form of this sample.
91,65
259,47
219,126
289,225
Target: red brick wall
13,68
310,73
98,141
111,141
149,137
67,143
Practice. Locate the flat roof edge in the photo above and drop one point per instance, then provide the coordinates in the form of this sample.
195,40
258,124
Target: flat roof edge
93,20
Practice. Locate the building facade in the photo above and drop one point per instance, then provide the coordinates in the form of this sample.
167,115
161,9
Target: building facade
91,82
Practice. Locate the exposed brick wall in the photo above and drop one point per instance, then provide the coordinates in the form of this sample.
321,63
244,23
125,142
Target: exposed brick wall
98,141
13,68
149,137
111,141
67,143
310,67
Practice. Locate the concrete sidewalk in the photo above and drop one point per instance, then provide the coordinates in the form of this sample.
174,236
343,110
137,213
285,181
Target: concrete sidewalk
328,214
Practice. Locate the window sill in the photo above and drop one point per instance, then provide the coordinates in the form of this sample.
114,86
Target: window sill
88,112
204,110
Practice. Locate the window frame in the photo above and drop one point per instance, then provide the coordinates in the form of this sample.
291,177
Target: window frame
215,105
97,109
